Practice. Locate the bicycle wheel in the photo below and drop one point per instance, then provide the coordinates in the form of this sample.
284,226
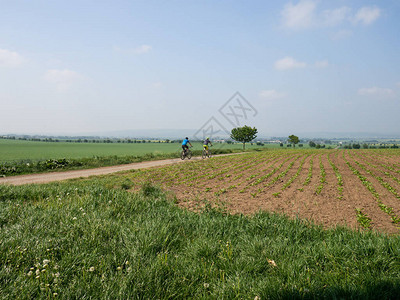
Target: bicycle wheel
189,154
204,154
183,155
209,154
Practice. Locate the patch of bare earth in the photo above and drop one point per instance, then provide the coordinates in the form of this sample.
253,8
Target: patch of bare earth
277,182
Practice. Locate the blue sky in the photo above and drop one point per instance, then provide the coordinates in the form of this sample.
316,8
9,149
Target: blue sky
92,66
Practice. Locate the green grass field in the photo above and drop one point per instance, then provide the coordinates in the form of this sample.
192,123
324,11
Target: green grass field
15,150
92,239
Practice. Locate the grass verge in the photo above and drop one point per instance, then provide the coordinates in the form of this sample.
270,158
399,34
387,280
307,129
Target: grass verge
83,239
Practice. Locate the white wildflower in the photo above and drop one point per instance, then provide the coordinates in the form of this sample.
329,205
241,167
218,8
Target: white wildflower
206,285
29,273
91,269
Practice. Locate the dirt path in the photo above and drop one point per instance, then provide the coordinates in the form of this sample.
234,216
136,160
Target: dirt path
57,176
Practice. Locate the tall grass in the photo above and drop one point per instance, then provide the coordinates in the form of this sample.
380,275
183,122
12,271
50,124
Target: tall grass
81,239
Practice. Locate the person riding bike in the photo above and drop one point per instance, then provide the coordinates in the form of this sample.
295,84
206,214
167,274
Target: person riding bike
185,144
206,143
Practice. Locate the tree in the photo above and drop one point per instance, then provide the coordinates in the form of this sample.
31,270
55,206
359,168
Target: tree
244,134
293,140
312,144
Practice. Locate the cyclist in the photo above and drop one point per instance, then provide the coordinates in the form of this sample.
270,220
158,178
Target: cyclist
205,144
184,144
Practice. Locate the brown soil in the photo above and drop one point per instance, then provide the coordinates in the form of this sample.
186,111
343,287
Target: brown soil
231,186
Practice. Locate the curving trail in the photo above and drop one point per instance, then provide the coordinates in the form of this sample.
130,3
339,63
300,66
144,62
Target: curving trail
57,176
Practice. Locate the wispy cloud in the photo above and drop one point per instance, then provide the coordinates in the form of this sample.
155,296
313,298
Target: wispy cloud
271,94
10,59
322,64
142,49
376,91
305,14
63,79
299,16
157,85
336,16
288,63
367,15
342,34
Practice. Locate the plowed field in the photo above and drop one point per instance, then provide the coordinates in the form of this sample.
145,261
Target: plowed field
356,188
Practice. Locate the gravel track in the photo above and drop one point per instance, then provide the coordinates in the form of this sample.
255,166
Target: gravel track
58,176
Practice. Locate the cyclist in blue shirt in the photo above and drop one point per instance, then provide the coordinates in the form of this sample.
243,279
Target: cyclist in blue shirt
184,144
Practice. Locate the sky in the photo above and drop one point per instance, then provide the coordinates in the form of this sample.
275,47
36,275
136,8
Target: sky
78,67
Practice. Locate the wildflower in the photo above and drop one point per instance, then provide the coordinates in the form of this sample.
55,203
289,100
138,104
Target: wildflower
206,285
46,261
84,214
129,269
44,270
37,277
55,294
32,268
57,274
127,262
119,268
272,263
37,272
91,269
256,298
29,273
80,208
74,218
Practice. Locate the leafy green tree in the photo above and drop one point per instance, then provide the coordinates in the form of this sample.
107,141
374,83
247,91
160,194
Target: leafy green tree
293,140
312,144
244,134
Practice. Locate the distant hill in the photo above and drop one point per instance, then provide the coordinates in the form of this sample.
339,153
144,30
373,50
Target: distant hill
181,133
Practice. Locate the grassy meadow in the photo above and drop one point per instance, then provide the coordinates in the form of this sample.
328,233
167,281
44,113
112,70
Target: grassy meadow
25,157
17,150
95,238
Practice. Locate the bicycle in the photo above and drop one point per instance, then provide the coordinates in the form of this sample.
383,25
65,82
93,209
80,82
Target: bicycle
206,153
186,153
